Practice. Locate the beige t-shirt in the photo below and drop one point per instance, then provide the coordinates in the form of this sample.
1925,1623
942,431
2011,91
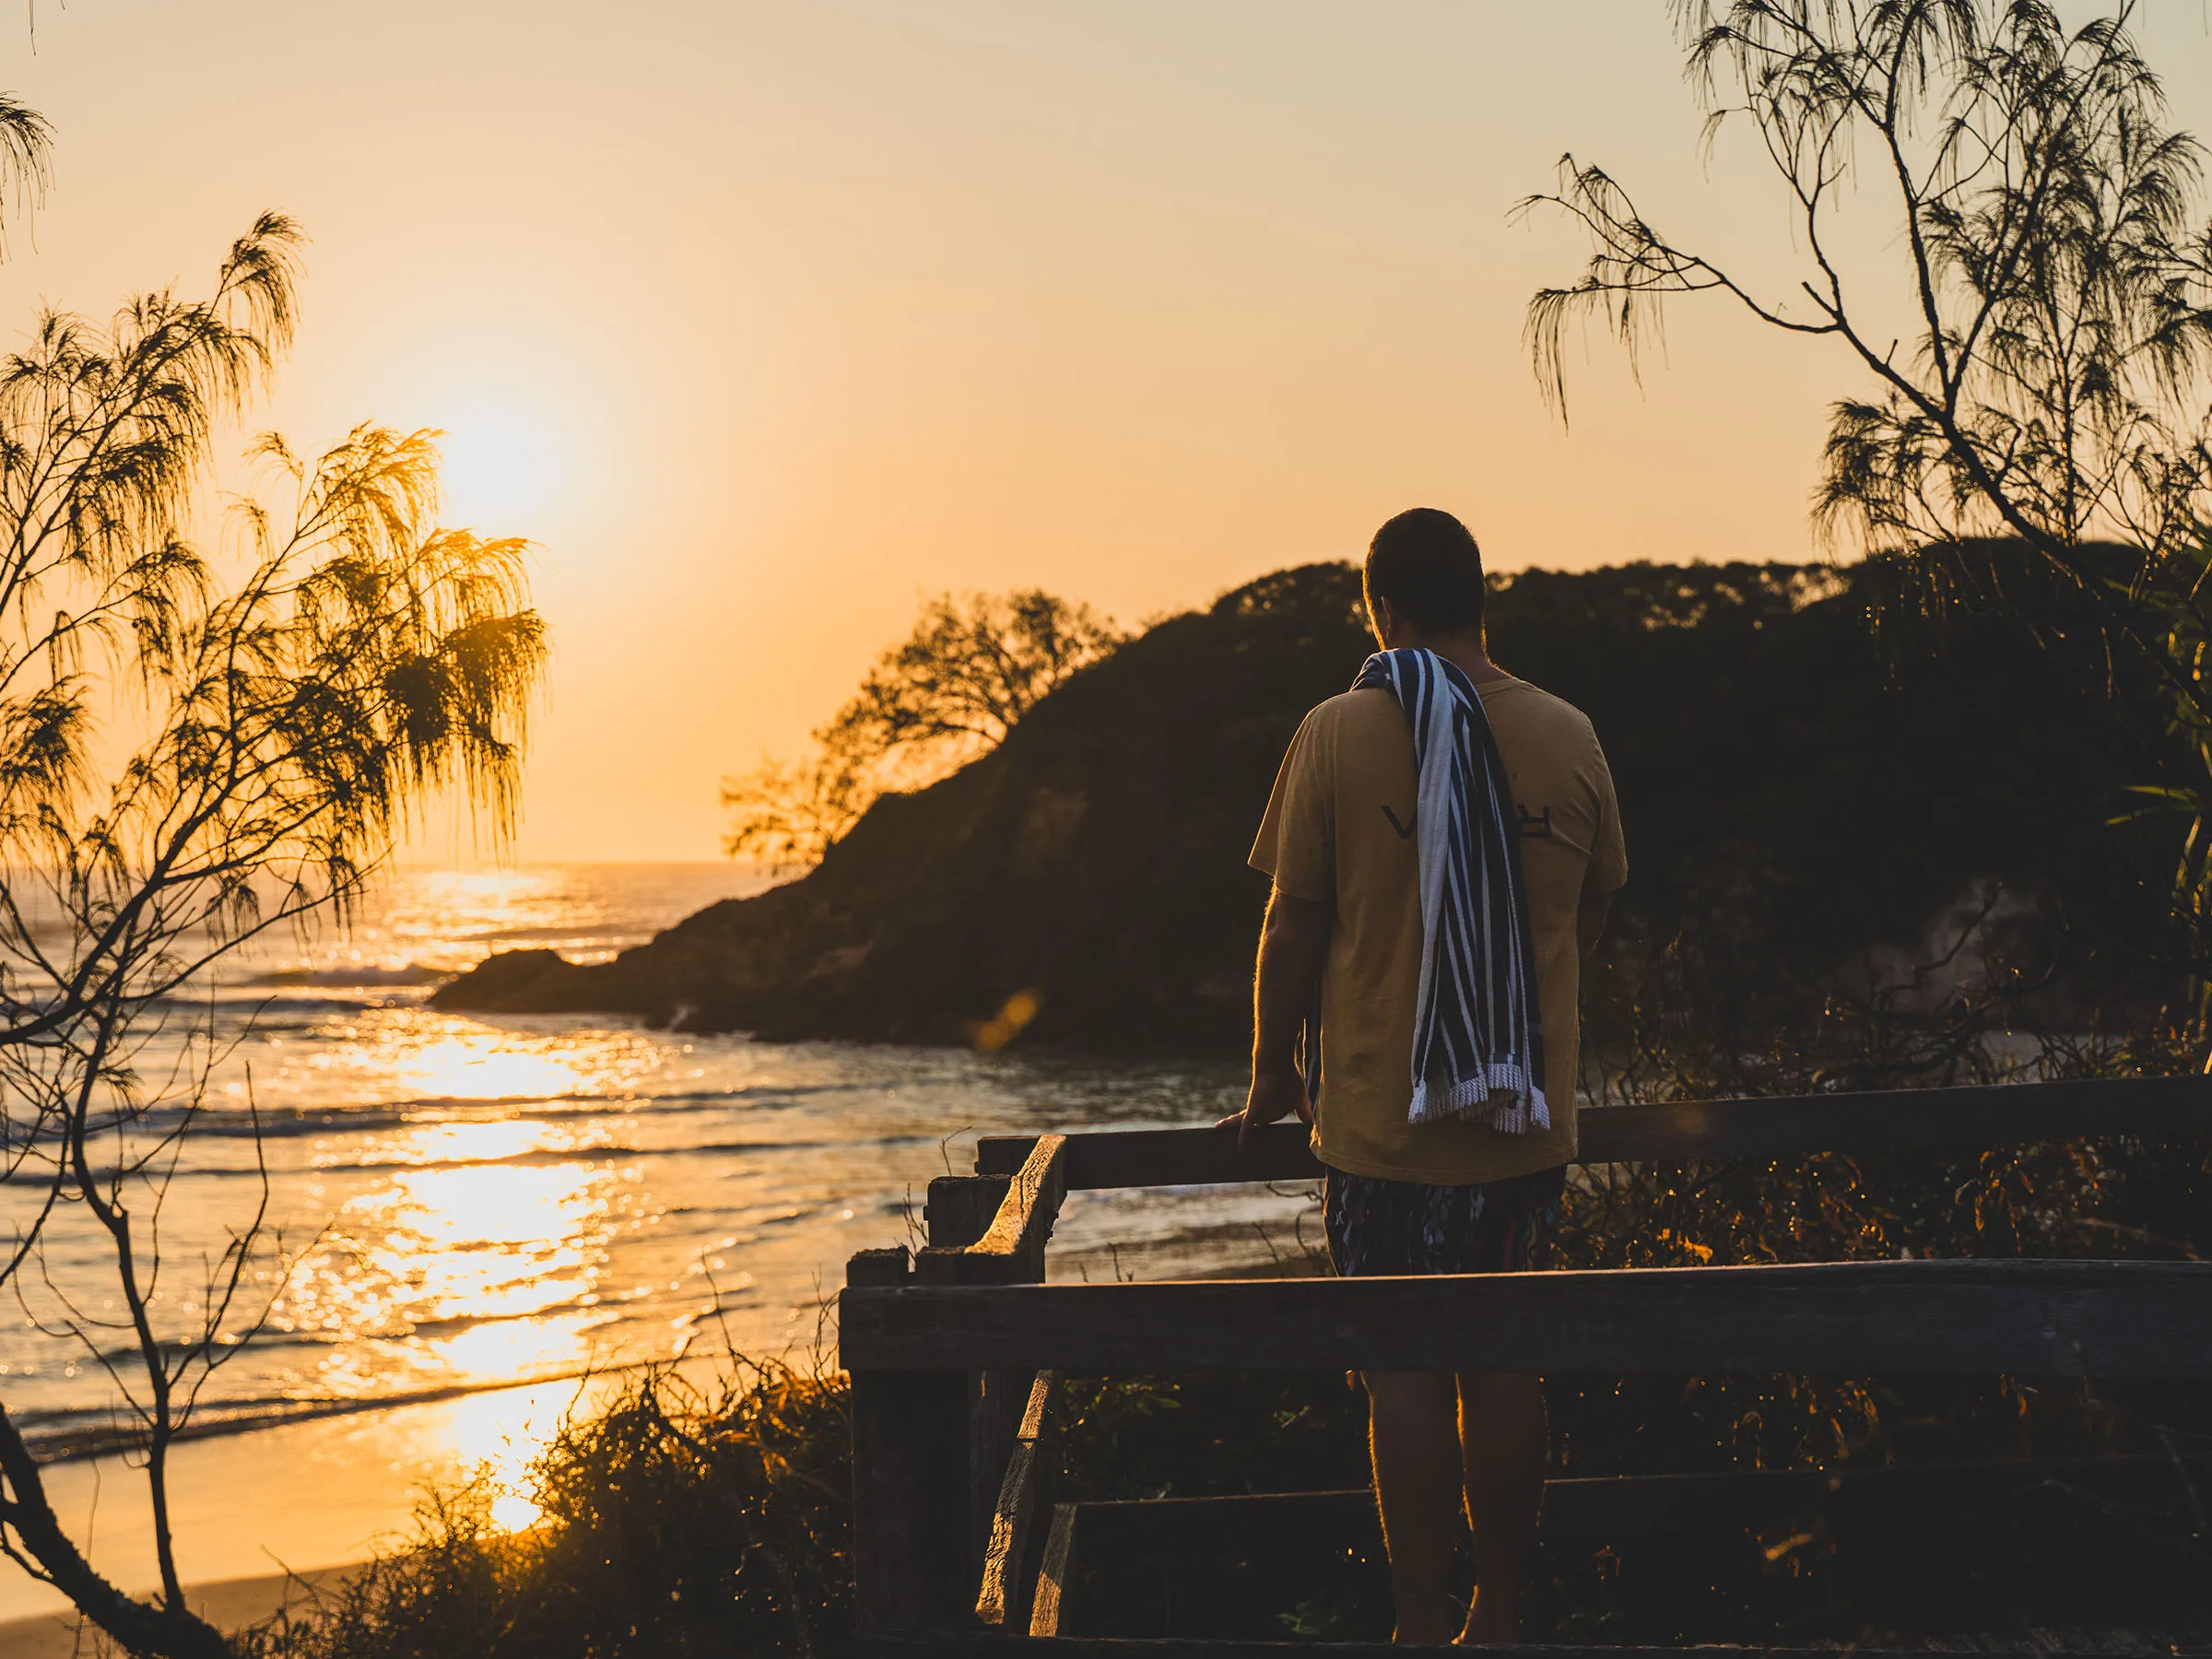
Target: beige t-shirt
1340,831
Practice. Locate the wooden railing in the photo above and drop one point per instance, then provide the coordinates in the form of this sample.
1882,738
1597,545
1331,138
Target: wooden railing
1781,1127
950,1352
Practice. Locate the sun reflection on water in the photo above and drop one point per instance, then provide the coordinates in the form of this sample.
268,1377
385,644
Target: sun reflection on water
494,1437
462,1273
485,1353
486,1064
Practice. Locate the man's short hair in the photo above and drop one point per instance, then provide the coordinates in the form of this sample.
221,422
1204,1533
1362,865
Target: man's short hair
1426,563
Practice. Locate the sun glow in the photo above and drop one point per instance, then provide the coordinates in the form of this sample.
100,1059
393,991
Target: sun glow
503,469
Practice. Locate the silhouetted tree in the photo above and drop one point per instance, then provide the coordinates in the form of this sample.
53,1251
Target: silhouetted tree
282,702
2054,382
952,690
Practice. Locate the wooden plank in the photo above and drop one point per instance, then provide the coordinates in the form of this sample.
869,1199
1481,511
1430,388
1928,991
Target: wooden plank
948,1646
1894,1118
1127,1157
992,1230
879,1266
2029,1318
910,1498
1651,1505
996,1401
1001,1588
1009,1557
1775,1127
1037,1409
959,1208
1024,1222
1053,1576
1011,1249
1160,1527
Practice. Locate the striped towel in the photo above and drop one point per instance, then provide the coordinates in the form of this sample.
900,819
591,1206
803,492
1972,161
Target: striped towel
1477,1039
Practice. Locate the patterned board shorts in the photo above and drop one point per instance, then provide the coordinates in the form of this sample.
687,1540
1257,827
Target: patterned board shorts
1396,1227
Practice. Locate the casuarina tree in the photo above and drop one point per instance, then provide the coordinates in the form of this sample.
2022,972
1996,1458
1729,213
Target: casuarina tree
2031,431
203,739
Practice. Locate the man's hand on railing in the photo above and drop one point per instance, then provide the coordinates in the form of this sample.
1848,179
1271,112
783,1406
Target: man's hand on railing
1277,1092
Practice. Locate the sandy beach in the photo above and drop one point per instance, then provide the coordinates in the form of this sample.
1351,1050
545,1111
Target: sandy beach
303,1499
227,1603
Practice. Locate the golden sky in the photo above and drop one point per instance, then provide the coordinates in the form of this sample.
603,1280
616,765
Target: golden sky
766,321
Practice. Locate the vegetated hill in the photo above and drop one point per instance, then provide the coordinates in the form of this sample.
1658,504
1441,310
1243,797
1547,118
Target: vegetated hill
1793,796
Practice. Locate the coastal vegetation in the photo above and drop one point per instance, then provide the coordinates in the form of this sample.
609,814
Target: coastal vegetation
2031,350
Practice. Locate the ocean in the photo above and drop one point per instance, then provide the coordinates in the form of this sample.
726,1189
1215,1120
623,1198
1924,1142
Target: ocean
475,1212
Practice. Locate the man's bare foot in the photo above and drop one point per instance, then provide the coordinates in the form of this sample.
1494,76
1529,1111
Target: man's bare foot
1490,1619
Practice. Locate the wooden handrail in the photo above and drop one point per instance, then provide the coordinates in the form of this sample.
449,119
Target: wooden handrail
2031,1318
1008,1573
929,1455
941,1356
1778,1127
1011,1249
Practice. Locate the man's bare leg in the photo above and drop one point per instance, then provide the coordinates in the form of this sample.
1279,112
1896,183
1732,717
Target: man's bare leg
1418,1485
1502,1444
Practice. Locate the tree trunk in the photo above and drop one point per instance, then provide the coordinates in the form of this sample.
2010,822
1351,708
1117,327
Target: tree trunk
165,1632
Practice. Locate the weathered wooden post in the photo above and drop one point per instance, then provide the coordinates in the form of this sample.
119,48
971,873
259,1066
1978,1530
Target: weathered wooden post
931,1448
992,1230
909,1484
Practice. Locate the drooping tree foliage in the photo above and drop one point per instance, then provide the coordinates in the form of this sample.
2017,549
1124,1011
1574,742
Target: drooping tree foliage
2047,250
200,742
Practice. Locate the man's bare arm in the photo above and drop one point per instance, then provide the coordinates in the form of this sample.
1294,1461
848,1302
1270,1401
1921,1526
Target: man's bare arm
1294,944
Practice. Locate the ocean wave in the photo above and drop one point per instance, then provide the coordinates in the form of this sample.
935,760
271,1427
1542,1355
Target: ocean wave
431,1110
259,1007
414,974
581,1100
60,1435
66,1436
544,1157
553,933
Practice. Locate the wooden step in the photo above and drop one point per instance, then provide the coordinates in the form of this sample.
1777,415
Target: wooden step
1643,1505
956,1645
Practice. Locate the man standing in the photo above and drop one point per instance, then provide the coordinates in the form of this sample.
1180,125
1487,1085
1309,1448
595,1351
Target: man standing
1419,867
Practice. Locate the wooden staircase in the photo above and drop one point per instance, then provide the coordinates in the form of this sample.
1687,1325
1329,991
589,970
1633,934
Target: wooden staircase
954,1351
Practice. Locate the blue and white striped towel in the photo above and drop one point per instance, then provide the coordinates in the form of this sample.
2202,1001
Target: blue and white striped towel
1477,1034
